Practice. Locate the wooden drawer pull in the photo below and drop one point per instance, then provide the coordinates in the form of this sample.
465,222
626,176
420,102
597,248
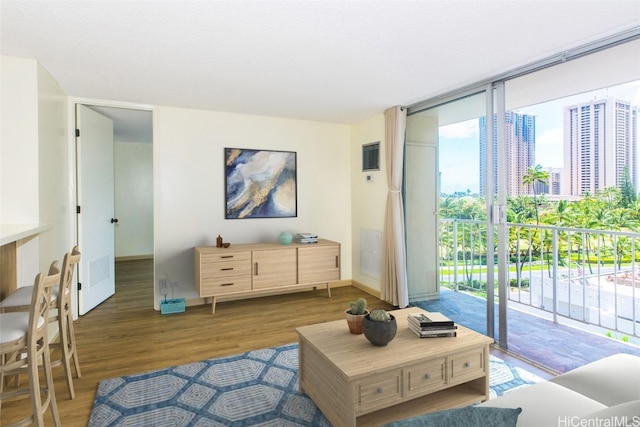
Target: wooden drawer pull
380,390
256,269
337,261
226,284
467,364
226,256
428,376
226,269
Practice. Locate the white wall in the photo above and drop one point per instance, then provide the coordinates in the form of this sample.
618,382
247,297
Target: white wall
55,170
34,162
334,200
189,184
19,202
19,143
133,199
368,198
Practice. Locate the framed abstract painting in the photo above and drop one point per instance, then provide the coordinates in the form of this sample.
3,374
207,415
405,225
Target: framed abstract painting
260,184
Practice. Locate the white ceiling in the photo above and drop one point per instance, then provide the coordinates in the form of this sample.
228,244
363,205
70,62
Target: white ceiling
335,61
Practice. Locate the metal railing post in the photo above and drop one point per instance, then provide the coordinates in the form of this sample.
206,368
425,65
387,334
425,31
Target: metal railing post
455,254
554,278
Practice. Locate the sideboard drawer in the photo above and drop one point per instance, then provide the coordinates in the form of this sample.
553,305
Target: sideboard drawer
224,285
466,366
378,391
426,377
225,256
233,267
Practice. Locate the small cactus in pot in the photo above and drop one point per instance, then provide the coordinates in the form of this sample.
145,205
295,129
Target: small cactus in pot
355,314
380,315
358,307
379,327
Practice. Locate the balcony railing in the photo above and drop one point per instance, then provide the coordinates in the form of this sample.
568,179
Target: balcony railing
583,275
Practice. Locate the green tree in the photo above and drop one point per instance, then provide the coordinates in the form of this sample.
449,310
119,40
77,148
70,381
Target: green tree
611,195
533,176
628,190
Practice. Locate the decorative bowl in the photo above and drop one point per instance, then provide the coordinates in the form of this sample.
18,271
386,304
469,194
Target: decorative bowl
379,333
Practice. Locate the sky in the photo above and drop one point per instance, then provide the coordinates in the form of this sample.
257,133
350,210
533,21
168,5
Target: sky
458,143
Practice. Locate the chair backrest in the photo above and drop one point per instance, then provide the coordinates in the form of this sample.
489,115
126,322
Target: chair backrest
40,304
66,278
53,268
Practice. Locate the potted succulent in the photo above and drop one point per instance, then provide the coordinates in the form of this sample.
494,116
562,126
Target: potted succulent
355,314
379,327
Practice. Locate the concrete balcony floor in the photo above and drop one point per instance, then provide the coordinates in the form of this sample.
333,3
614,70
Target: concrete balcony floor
555,346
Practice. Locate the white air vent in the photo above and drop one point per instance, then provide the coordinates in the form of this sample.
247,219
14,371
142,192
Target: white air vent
371,156
98,270
370,252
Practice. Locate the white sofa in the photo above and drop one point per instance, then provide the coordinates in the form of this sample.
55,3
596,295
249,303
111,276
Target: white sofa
601,393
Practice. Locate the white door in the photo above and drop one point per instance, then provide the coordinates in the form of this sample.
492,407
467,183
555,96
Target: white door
95,175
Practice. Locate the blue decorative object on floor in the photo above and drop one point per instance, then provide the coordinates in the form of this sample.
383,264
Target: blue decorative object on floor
254,388
176,305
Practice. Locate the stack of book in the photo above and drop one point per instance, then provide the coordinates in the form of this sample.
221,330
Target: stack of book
306,238
431,325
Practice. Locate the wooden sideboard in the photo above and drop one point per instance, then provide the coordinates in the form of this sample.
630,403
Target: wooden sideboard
259,269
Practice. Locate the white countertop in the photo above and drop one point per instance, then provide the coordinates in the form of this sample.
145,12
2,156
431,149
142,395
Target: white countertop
14,232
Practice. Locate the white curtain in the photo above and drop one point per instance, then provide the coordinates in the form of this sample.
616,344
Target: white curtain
393,287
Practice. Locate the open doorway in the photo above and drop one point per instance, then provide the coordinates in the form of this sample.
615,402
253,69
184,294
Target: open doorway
130,159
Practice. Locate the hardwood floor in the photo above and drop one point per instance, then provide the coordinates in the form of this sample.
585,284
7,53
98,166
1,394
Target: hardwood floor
125,335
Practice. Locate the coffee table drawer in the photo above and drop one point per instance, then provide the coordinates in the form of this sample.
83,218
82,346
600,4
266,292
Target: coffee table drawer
466,366
378,391
426,377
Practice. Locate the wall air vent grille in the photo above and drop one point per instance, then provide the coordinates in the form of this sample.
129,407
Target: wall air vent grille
371,156
98,270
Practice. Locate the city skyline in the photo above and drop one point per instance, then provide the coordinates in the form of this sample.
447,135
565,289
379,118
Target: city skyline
459,142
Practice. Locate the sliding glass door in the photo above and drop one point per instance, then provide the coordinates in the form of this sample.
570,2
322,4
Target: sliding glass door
446,185
498,170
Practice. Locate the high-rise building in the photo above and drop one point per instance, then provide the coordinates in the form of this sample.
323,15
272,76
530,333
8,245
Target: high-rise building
600,145
554,184
520,151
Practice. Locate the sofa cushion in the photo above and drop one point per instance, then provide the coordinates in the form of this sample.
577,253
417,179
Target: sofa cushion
544,404
470,416
624,414
612,380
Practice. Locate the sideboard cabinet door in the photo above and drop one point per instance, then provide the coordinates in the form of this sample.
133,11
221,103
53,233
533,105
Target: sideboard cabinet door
274,267
318,264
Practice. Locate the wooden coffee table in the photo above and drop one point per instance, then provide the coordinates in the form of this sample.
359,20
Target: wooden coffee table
356,383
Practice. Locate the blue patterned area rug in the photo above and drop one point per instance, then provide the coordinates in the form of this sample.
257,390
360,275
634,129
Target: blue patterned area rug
257,388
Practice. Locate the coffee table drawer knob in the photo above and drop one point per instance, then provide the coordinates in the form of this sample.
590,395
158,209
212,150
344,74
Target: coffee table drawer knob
467,364
380,390
428,376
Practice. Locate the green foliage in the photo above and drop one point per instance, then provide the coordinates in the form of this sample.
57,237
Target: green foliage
609,209
624,338
534,176
524,283
628,190
358,307
379,315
